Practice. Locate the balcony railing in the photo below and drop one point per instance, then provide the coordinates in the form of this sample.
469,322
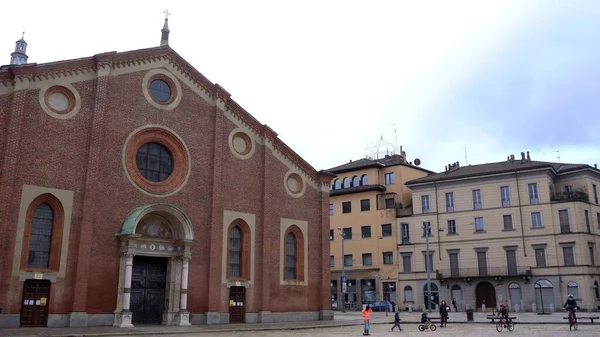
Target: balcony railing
577,195
454,273
403,212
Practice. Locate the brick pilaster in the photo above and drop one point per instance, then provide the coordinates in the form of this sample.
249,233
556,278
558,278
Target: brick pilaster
9,204
95,146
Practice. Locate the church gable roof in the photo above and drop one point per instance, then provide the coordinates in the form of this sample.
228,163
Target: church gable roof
118,61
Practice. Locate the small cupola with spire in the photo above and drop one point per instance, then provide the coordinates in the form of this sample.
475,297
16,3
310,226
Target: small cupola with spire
20,55
164,40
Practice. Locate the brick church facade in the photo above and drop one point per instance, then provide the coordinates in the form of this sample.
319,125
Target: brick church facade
135,191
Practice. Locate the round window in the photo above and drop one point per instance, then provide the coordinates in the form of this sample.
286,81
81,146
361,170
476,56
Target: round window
154,161
160,91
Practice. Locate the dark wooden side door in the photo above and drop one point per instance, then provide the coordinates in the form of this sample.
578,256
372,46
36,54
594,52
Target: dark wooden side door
34,306
485,293
237,304
148,284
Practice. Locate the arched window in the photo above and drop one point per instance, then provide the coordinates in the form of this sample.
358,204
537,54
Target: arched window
337,184
573,289
238,252
364,180
346,182
294,254
408,294
43,234
355,181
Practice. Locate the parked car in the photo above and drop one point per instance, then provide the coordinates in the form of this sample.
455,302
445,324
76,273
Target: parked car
381,306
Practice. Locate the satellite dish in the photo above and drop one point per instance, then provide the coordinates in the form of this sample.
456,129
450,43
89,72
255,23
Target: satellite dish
417,161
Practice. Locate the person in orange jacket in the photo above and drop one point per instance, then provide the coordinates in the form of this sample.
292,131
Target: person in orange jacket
367,319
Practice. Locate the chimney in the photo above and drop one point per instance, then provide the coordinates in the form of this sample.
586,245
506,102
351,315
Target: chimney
528,158
523,156
507,158
457,164
512,157
446,168
595,165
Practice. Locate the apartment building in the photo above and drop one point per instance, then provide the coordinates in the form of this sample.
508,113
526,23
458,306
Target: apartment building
520,231
366,196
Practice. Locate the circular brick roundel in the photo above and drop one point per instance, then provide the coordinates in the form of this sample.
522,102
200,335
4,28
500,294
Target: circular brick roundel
181,160
60,101
240,144
294,185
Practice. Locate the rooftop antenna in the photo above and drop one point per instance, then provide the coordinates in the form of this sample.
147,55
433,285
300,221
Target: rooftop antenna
557,155
466,162
395,139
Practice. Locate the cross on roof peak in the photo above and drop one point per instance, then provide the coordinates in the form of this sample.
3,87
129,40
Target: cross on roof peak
166,13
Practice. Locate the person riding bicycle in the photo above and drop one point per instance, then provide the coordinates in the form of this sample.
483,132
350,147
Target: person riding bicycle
424,319
504,313
571,305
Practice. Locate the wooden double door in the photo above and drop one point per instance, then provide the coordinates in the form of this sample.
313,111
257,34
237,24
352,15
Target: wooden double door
148,284
34,305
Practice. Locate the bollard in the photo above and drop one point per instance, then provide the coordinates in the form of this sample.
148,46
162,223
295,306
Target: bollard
410,308
517,308
533,307
467,306
483,308
551,307
424,308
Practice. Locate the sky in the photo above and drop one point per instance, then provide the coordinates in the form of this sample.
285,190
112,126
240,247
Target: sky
440,78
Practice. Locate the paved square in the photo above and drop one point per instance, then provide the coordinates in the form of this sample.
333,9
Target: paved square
463,330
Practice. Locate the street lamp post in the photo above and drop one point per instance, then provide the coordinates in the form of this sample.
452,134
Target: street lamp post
427,229
343,273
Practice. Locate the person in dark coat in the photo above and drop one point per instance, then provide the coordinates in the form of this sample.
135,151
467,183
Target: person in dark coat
454,304
444,314
397,322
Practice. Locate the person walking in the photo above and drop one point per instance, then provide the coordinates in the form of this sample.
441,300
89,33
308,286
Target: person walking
454,304
444,314
367,319
397,322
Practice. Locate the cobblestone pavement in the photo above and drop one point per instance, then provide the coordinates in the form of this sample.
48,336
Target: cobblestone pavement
383,330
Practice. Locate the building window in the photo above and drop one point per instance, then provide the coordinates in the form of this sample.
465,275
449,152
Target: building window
477,202
511,261
331,209
355,181
592,255
160,91
367,259
364,180
405,233
347,233
451,226
573,289
597,290
569,259
598,219
568,188
508,222
43,234
426,228
331,235
348,261
533,193
588,227
346,207
332,261
338,184
540,257
386,229
365,232
479,225
346,182
424,203
454,266
365,205
536,219
482,263
406,263
595,193
294,254
505,196
563,218
154,162
390,203
450,202
235,252
388,258
408,294
389,178
428,261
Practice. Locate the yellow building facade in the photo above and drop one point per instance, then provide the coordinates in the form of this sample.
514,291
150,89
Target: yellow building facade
365,198
519,231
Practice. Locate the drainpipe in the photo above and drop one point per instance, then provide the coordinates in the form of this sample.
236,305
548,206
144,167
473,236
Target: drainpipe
437,217
521,214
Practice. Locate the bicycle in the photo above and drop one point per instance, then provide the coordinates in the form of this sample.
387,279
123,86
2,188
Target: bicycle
428,325
508,324
572,319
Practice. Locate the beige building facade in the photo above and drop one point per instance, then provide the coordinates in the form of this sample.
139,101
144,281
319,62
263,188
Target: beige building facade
366,196
519,231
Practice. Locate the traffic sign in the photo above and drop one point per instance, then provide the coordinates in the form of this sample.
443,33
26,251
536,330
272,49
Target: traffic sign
344,278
